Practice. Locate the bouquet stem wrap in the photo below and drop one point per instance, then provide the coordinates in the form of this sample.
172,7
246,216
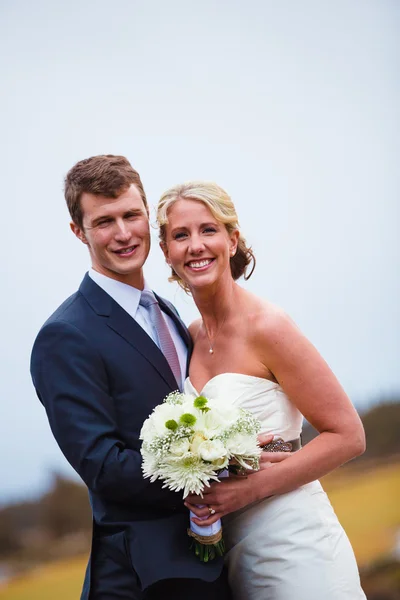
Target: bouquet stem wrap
207,541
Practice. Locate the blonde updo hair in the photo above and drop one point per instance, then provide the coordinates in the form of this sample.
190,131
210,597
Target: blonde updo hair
223,210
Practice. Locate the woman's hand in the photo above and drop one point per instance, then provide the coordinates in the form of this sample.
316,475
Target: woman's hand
234,492
223,497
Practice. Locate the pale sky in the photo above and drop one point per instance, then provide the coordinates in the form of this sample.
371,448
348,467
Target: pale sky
293,107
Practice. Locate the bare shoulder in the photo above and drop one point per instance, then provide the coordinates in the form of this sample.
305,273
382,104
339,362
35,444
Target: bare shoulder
269,322
194,328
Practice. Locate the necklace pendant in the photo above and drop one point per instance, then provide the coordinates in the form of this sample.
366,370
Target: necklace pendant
211,351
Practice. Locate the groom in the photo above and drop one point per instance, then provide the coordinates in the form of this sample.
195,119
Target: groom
100,364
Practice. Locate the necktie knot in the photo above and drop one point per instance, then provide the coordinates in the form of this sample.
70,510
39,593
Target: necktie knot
147,298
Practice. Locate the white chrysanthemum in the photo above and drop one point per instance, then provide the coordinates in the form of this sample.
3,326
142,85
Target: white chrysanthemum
150,465
190,474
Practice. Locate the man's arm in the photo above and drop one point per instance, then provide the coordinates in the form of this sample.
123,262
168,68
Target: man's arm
71,381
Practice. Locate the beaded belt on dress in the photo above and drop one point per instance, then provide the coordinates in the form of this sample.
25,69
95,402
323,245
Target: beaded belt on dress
278,445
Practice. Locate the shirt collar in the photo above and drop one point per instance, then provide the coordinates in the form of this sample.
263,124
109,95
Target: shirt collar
125,295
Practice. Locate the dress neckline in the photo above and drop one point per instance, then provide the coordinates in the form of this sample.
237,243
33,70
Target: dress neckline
254,377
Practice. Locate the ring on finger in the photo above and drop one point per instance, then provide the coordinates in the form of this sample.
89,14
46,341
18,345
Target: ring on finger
211,511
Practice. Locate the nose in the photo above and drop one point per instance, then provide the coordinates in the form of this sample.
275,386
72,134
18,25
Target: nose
196,245
122,232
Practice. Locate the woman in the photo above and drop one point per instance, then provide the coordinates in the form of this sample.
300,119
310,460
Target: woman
283,538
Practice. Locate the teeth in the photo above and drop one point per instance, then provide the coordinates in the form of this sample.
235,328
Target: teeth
126,251
200,263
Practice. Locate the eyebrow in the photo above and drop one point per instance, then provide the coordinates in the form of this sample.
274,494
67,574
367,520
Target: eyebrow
208,224
131,211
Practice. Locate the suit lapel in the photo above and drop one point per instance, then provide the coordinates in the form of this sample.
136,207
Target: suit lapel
125,326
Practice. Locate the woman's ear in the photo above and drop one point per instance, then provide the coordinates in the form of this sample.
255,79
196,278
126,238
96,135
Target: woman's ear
234,239
164,248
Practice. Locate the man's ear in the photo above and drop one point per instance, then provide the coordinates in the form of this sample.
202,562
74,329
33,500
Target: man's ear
164,248
78,232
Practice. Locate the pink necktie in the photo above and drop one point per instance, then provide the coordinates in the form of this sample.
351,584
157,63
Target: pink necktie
165,341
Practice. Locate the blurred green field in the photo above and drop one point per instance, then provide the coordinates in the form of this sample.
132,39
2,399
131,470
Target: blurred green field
366,502
368,507
61,580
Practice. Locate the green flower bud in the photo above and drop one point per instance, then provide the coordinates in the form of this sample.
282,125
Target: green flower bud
171,424
200,402
187,419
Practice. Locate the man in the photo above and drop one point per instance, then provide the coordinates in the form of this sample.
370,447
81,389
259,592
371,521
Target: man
101,362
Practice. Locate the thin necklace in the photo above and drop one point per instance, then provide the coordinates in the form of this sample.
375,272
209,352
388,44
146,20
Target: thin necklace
211,342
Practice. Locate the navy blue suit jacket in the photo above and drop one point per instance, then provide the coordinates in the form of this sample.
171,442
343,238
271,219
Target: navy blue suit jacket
99,375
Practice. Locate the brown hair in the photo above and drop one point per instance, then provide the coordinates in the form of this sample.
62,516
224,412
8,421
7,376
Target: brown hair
222,209
103,175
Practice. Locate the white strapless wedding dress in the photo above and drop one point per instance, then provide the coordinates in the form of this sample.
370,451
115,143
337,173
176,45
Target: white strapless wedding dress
290,546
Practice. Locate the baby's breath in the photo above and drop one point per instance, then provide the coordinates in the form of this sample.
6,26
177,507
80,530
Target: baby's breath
174,398
245,424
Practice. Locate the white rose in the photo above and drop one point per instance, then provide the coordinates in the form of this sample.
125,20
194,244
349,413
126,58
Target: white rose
197,440
211,450
180,447
242,444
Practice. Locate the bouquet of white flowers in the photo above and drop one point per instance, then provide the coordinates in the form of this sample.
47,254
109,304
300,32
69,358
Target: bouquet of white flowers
188,442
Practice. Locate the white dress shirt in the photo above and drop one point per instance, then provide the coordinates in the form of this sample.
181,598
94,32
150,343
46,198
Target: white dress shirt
128,298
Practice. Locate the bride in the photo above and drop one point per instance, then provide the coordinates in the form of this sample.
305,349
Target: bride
283,538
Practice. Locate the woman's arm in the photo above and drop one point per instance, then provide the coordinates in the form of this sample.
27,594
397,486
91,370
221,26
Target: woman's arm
313,388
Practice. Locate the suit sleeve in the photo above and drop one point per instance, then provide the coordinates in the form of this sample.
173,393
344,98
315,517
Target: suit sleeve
71,381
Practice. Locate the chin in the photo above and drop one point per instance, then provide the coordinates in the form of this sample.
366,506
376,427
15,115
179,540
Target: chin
201,282
134,264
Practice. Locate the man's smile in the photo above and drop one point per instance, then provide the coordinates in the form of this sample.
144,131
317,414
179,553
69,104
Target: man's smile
128,251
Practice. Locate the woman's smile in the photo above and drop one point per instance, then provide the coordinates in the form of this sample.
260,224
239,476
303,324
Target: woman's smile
200,265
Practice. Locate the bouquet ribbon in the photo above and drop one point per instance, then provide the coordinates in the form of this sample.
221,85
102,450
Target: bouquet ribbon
207,541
